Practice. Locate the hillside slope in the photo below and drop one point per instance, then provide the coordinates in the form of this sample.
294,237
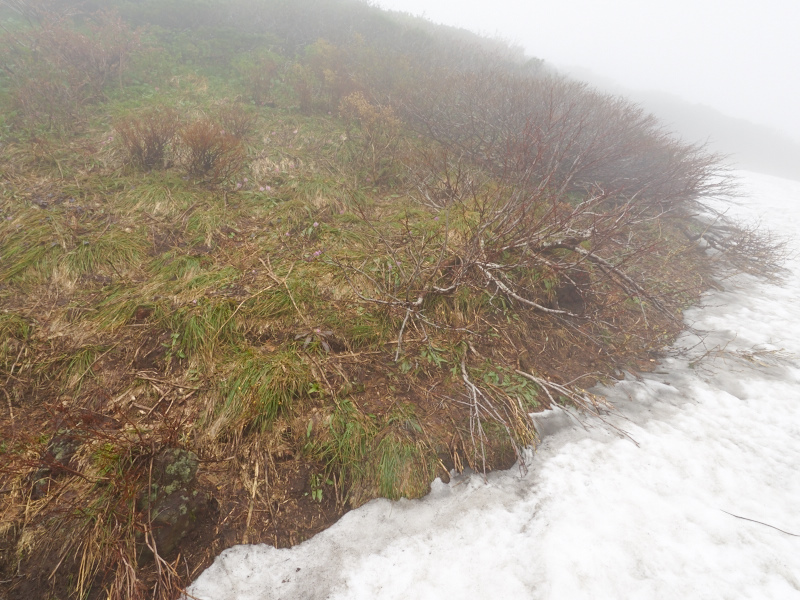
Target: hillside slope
260,269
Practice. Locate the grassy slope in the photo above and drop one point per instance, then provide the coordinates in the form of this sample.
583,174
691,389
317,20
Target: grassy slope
269,320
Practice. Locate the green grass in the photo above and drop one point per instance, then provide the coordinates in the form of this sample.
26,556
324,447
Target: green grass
159,195
370,329
13,326
118,307
200,329
402,468
80,365
187,296
30,251
204,223
319,189
351,435
190,275
259,387
113,252
15,333
387,456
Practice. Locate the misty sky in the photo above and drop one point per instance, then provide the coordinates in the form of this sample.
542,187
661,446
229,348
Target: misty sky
739,56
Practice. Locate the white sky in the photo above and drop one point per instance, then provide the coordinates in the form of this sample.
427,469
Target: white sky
739,56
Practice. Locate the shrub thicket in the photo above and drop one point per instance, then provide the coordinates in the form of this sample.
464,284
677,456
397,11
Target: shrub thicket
54,69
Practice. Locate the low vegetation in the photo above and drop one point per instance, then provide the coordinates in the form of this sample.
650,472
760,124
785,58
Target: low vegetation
256,272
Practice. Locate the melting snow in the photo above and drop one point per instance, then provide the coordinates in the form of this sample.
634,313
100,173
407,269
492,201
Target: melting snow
597,516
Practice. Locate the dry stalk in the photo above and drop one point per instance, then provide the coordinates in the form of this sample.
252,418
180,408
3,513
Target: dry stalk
399,341
474,393
482,406
590,403
250,507
283,282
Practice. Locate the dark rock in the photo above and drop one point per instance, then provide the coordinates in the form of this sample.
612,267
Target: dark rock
176,502
57,460
61,450
570,292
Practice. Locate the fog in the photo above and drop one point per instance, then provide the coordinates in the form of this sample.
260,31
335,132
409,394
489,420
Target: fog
737,56
743,143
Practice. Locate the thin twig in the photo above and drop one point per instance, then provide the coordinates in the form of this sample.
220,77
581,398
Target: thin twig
399,337
233,314
10,407
250,507
474,415
173,384
584,400
760,523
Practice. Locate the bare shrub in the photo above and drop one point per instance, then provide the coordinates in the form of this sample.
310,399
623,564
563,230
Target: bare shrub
375,131
41,101
211,154
236,120
54,70
146,138
534,130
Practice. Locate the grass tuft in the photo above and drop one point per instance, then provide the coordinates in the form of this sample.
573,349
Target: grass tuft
257,388
79,366
112,252
402,468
